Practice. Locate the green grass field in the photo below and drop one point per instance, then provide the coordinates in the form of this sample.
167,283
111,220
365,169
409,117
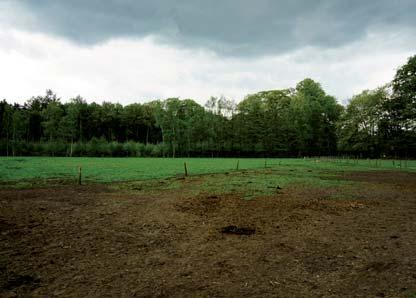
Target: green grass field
103,170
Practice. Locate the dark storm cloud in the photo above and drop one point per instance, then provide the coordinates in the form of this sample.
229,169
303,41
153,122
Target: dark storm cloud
231,27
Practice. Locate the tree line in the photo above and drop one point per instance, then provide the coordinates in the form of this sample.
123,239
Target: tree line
300,121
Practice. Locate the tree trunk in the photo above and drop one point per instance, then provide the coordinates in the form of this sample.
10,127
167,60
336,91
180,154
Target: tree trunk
163,141
173,149
7,143
80,130
70,150
147,135
14,140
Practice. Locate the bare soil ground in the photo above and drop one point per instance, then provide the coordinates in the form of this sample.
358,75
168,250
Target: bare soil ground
91,241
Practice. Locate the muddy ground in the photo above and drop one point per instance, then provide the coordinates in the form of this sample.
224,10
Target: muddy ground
92,241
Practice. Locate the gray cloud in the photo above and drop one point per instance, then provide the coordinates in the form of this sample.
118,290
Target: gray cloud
228,27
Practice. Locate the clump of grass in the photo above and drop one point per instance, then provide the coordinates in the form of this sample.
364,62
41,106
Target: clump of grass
147,186
247,184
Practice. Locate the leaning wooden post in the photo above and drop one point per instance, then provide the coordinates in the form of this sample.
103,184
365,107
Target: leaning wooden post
238,163
186,169
79,175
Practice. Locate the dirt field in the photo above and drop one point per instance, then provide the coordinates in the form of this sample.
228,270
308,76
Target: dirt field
97,242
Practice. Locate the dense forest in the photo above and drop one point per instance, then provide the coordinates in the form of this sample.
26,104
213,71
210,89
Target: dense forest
300,121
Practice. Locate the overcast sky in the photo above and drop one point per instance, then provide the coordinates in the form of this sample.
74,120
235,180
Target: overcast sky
135,51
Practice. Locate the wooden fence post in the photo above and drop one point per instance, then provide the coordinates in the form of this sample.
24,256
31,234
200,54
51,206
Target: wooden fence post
238,164
186,169
79,175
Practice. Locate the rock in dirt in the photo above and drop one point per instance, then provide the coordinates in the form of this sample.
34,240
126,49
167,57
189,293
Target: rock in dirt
238,231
